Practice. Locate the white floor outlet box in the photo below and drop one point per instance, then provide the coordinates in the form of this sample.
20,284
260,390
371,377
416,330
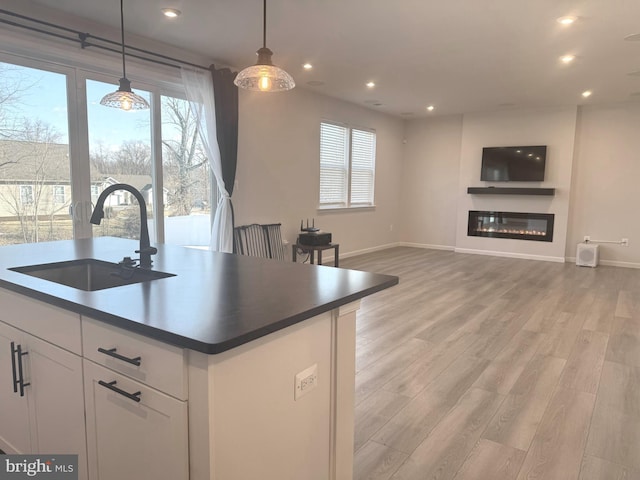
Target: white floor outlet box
306,381
587,255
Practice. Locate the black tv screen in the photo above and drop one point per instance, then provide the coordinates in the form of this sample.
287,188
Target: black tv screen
513,164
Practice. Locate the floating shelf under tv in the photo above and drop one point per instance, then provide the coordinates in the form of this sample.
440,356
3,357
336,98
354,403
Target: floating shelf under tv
510,191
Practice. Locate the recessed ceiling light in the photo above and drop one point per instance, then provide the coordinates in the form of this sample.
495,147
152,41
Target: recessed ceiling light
371,85
587,93
568,20
567,58
431,108
307,66
634,37
171,12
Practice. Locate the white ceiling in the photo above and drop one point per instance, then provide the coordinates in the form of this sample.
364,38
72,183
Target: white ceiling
459,55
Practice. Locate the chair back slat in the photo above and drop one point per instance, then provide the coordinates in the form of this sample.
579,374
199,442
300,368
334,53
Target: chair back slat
259,241
274,240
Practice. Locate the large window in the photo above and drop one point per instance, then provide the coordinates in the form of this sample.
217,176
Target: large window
59,149
120,152
34,155
188,196
347,166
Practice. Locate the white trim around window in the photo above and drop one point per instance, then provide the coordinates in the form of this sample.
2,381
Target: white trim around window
347,167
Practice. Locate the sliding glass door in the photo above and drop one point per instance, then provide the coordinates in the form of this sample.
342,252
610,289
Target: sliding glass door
59,149
35,170
120,151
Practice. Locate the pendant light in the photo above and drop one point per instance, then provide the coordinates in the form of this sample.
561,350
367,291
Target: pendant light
264,76
124,98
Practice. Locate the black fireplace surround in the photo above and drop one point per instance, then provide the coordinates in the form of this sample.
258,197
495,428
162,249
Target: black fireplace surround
516,225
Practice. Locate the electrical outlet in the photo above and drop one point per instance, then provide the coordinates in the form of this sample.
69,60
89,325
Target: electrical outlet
587,238
306,381
625,242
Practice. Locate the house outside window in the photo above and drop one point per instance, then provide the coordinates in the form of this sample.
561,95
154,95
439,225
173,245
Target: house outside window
58,194
26,194
347,166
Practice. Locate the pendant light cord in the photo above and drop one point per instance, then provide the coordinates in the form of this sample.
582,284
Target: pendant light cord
264,24
124,72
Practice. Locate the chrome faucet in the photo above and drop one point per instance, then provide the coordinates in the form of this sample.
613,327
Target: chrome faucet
146,250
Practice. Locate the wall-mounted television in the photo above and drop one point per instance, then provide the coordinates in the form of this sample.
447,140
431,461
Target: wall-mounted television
513,164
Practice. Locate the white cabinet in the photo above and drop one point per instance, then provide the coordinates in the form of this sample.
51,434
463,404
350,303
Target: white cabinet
135,400
15,423
42,398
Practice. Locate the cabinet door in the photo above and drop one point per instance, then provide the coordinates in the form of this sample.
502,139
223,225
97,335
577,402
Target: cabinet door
56,401
129,438
15,424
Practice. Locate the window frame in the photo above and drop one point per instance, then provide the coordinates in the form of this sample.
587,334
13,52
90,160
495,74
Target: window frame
55,194
28,196
348,203
78,69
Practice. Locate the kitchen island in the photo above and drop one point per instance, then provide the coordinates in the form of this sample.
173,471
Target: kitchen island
233,368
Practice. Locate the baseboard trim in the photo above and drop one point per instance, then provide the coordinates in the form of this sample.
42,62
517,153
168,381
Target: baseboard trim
522,256
449,248
610,263
544,258
369,250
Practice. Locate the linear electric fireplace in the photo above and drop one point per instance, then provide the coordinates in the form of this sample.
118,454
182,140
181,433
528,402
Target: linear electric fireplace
521,226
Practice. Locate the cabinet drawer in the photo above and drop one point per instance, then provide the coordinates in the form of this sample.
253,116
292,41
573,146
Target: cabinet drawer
144,437
53,324
161,366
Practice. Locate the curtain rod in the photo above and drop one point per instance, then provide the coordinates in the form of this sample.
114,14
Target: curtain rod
82,38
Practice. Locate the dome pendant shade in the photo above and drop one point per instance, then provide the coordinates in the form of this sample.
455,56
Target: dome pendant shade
264,76
124,98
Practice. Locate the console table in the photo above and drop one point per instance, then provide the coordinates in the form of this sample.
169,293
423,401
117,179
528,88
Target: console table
312,249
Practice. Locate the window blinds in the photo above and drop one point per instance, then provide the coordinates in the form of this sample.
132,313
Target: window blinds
363,154
347,166
334,164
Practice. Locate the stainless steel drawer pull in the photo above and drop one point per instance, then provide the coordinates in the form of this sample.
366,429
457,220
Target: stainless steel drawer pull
112,352
112,386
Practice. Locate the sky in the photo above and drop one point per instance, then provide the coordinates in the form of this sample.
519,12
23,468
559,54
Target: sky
43,97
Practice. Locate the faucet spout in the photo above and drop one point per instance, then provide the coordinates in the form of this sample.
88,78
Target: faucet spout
146,250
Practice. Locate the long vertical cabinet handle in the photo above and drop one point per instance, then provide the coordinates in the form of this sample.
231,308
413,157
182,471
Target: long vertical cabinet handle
14,350
20,354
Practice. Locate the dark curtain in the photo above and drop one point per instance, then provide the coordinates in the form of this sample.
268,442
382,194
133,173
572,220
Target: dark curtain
226,98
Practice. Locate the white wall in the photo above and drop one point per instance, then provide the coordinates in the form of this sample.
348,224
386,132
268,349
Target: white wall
606,191
443,158
278,167
554,128
593,162
430,181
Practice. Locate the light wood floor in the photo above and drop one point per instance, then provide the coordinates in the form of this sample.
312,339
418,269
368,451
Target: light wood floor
488,368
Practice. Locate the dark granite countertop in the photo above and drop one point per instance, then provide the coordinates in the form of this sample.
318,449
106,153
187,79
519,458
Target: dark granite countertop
216,301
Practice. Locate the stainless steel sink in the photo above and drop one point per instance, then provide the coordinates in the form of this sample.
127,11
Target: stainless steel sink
89,274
